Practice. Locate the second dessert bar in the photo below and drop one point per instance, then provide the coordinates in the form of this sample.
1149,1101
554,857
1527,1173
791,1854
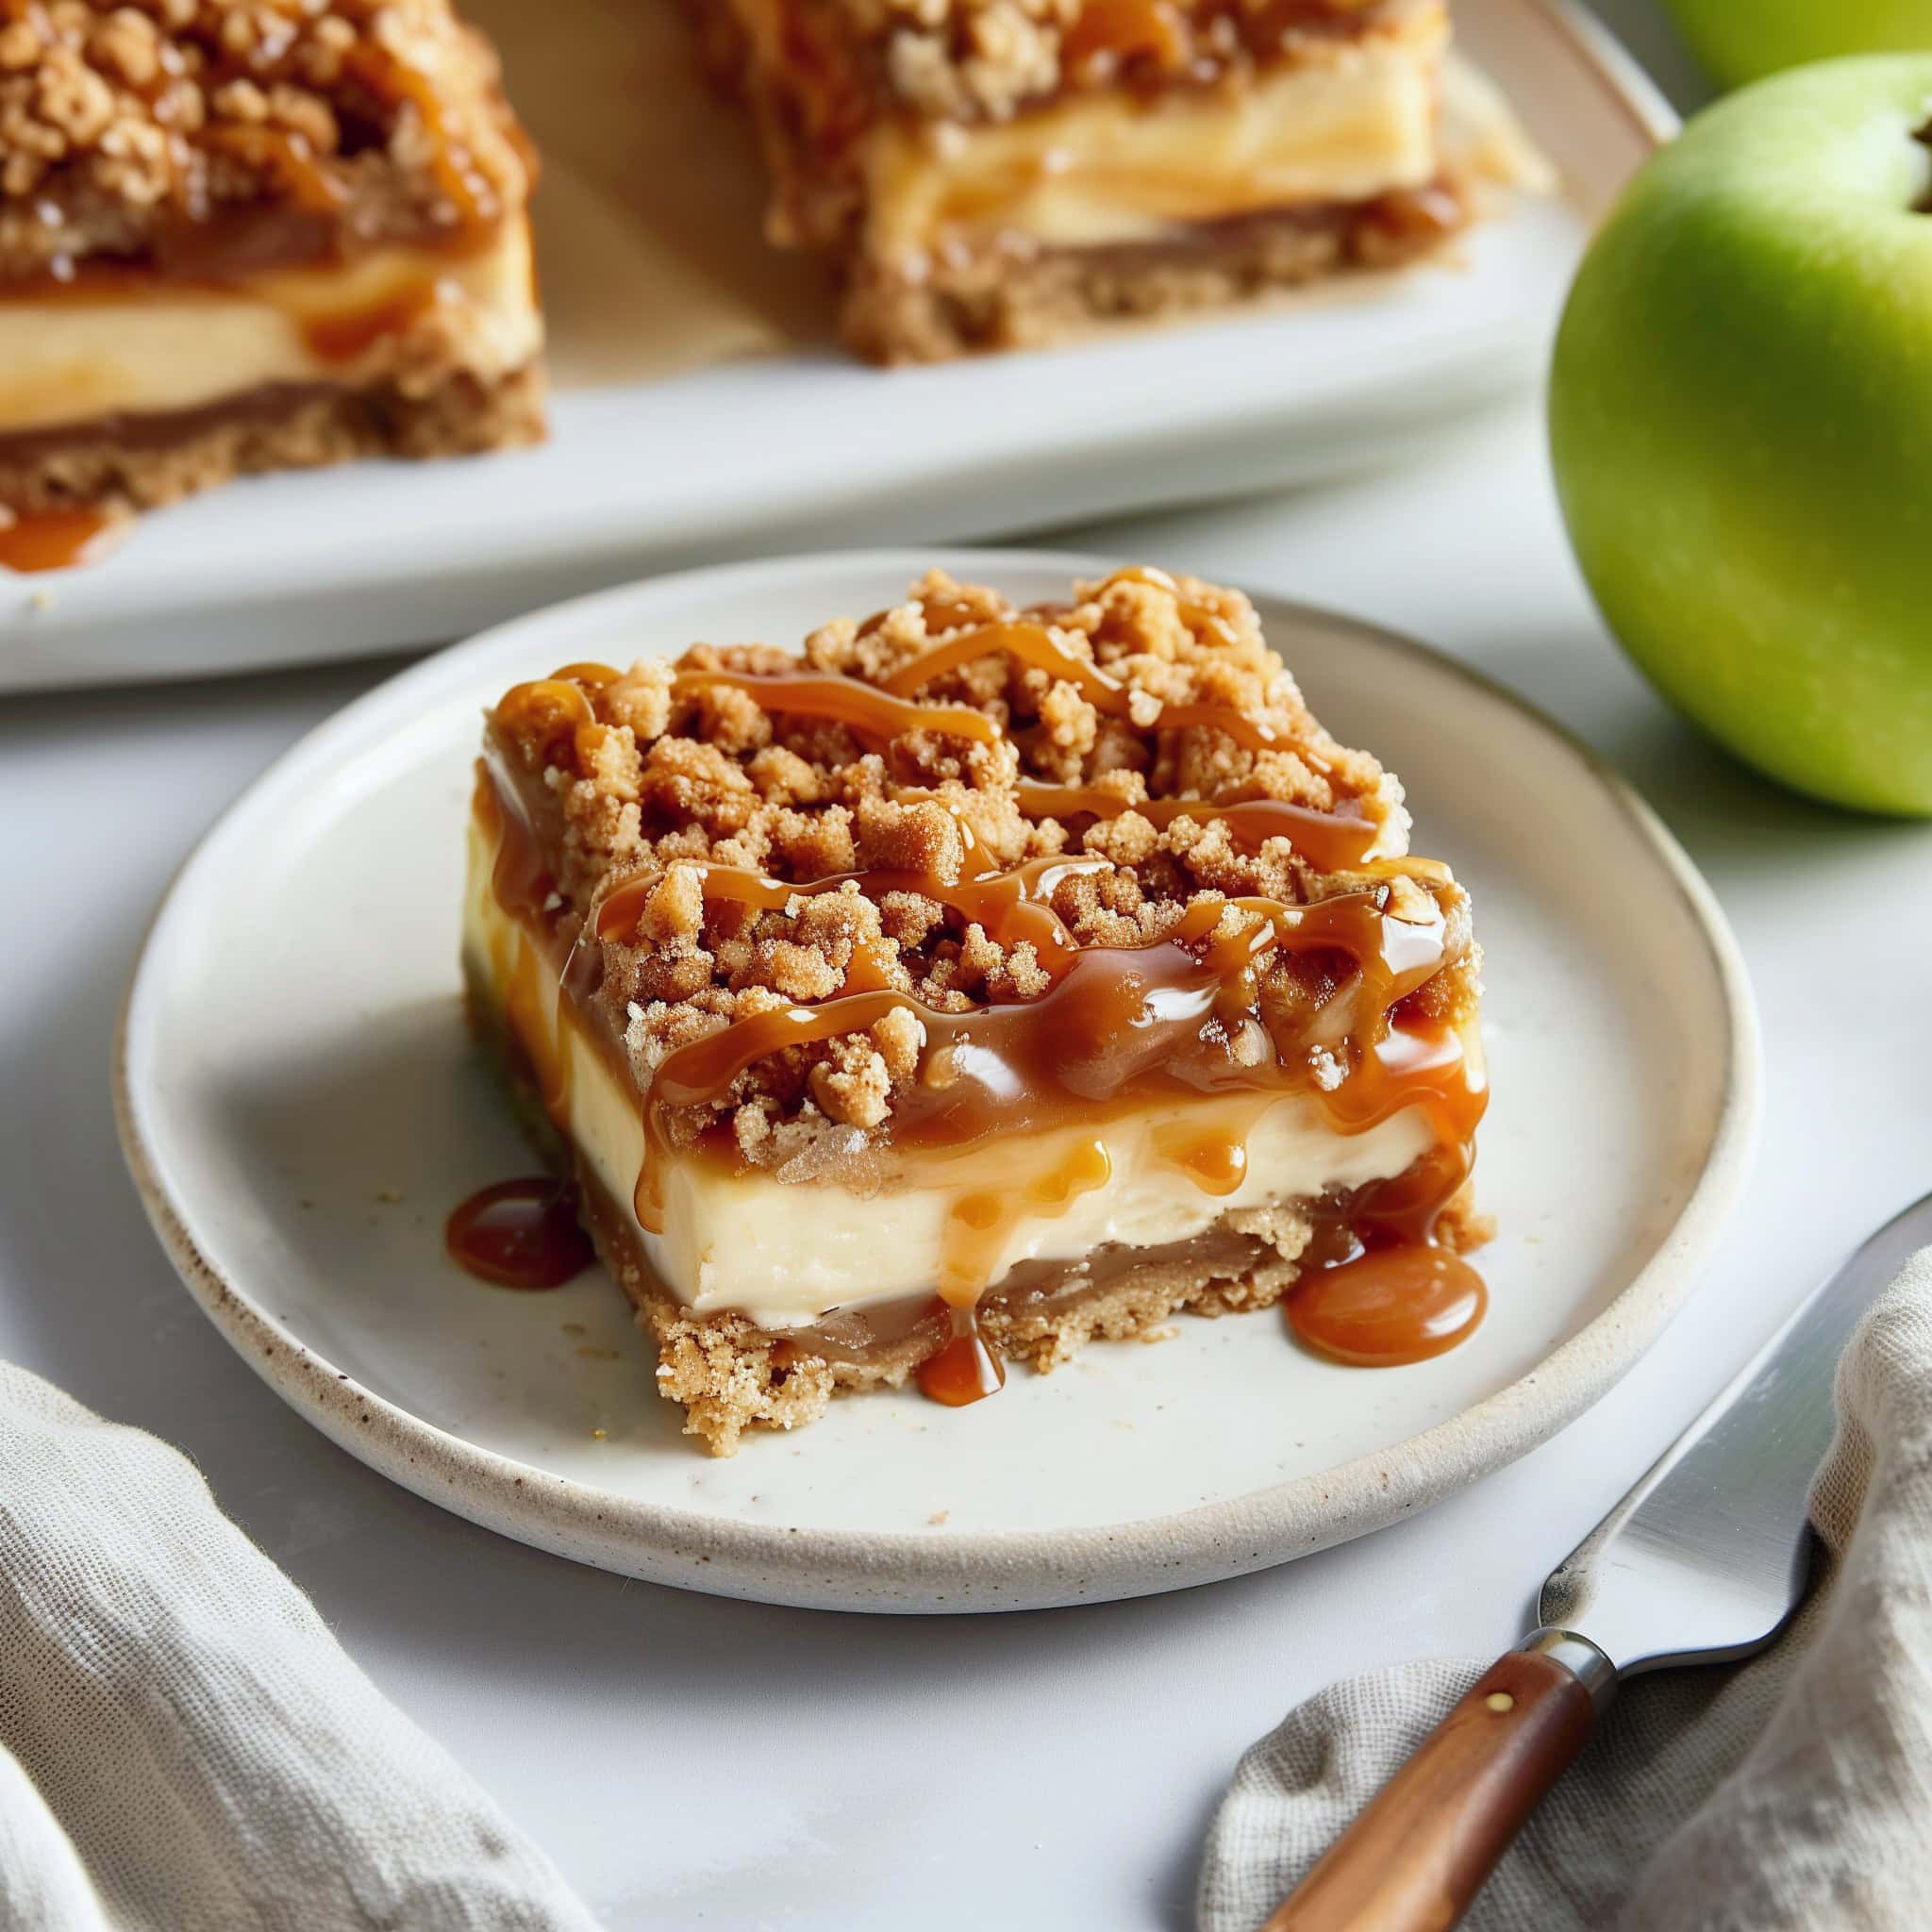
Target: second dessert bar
250,237
991,173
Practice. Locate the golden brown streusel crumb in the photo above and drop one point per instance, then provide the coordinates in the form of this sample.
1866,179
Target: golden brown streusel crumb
127,129
665,778
991,60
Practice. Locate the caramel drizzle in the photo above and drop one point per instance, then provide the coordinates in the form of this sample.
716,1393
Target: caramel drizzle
1118,1024
865,710
352,333
559,707
1329,841
1037,648
1011,907
457,174
311,185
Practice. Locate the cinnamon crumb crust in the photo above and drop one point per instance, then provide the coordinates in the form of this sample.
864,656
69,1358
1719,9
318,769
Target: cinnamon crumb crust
1001,299
731,1375
667,776
164,132
140,462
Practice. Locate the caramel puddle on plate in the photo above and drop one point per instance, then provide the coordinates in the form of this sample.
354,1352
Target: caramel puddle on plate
520,1234
1389,1307
57,539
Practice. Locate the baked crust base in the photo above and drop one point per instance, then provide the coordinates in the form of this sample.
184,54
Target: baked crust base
1000,299
731,1375
140,462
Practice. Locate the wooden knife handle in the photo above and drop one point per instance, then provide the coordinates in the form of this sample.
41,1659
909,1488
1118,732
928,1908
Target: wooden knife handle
1417,1856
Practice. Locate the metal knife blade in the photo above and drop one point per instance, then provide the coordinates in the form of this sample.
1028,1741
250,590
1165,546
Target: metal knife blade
1706,1559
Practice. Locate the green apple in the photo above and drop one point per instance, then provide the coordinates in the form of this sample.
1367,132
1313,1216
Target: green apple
1740,423
1740,39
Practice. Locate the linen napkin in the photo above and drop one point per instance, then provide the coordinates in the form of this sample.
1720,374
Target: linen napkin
1792,1791
183,1745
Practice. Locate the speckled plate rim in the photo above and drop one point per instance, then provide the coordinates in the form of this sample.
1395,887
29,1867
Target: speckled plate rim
934,1570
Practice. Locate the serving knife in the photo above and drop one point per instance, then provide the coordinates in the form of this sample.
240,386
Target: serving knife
1703,1562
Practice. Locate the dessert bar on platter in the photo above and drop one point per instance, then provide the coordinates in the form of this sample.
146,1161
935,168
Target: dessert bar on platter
975,983
241,235
997,172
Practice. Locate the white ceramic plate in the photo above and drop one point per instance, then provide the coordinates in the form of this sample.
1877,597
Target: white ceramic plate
793,451
301,1109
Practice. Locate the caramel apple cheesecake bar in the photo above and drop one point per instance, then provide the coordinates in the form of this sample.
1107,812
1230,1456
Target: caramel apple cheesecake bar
978,982
994,173
241,235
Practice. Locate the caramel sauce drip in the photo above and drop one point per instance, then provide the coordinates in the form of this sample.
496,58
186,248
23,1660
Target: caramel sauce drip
557,711
520,1234
1216,1160
980,1223
1118,31
871,715
1037,648
1010,906
967,1369
396,83
557,705
345,337
1030,645
309,184
1329,841
54,540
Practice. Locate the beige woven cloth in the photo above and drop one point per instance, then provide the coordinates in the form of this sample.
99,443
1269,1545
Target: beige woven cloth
183,1745
1793,1792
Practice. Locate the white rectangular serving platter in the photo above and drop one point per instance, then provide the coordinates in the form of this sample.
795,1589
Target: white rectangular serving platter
809,448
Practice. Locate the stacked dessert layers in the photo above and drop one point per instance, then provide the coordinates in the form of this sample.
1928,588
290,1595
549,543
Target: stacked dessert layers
992,173
246,234
979,982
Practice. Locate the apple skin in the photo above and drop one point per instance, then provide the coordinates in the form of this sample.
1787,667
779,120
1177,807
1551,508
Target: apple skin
1741,425
1736,40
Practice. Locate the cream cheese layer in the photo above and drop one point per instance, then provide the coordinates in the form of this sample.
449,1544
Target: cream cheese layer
72,357
1341,123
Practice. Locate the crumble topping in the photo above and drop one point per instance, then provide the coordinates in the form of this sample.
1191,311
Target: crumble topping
121,125
991,60
663,778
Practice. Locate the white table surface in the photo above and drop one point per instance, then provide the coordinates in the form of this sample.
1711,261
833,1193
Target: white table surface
691,1761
